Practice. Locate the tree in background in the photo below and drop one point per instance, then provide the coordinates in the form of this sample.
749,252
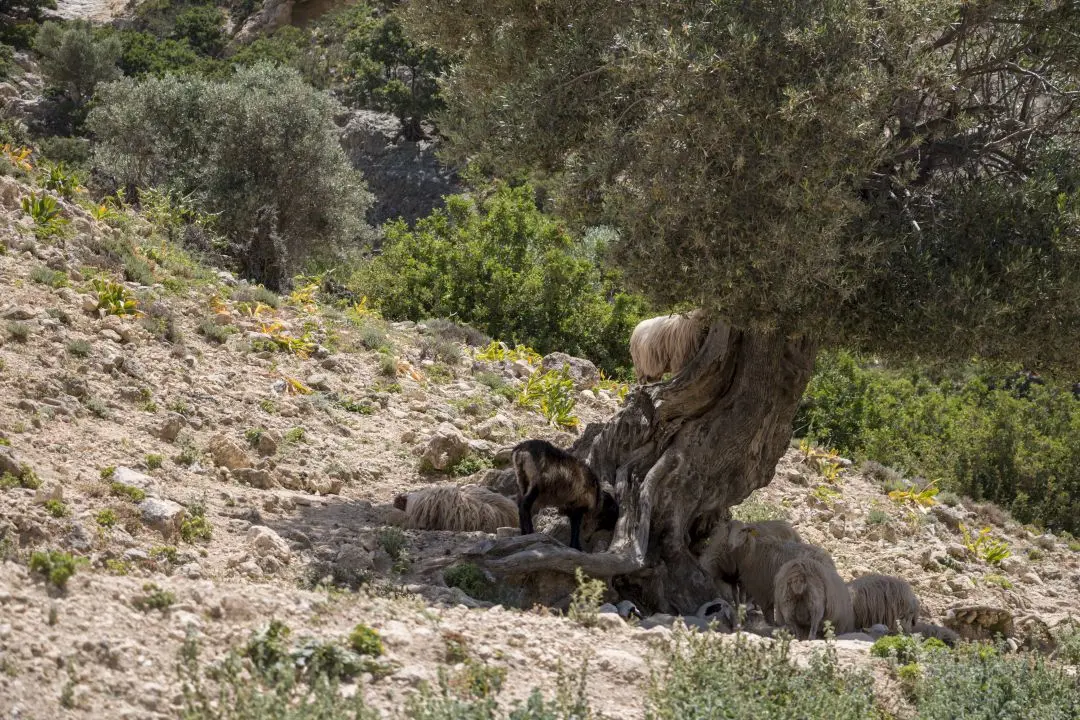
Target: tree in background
494,261
19,19
393,73
74,62
898,177
259,150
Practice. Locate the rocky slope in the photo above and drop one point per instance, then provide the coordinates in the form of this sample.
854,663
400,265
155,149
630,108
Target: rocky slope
292,458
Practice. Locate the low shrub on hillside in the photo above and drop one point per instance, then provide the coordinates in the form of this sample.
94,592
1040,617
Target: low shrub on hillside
1020,450
496,262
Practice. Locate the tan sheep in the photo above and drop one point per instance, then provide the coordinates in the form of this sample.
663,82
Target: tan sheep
666,344
758,559
807,592
463,508
884,600
718,558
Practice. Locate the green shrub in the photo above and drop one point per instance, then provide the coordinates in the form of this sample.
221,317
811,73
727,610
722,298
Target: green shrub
202,27
496,262
1020,452
130,492
56,508
470,579
586,599
231,145
468,465
48,276
154,461
154,599
106,518
209,329
76,60
904,647
365,641
196,526
142,53
18,331
55,566
978,685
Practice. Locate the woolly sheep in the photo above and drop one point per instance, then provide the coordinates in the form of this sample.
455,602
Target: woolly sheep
884,599
462,508
759,559
666,344
808,592
718,557
550,477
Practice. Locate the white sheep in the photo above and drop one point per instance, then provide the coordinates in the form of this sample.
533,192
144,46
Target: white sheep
666,344
806,593
885,600
463,508
758,560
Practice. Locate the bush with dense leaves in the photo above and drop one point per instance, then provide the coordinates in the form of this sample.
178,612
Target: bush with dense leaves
259,149
1020,450
74,61
496,262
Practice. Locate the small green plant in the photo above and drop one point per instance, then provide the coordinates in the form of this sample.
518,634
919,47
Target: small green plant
479,680
823,460
97,406
79,348
130,492
999,580
877,516
552,395
922,497
253,435
388,365
19,332
45,211
209,329
154,461
903,647
586,599
294,435
500,352
107,472
755,509
985,547
188,455
396,545
114,298
268,646
56,508
470,579
361,407
26,478
268,406
106,518
1035,554
164,552
47,276
826,493
468,465
62,181
55,566
196,526
365,641
117,567
154,599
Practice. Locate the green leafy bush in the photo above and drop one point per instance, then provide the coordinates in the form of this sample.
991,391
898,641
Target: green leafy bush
75,60
365,641
707,677
470,579
497,263
55,566
258,149
1021,452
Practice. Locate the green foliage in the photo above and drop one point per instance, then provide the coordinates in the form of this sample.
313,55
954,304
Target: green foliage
755,509
209,329
196,526
365,641
145,54
259,150
978,685
45,211
757,161
107,472
877,517
56,508
552,394
154,461
470,579
393,73
114,298
1022,453
18,331
130,492
154,598
50,277
106,518
61,181
76,61
25,478
706,677
55,566
496,262
586,599
984,546
362,407
202,27
468,465
905,648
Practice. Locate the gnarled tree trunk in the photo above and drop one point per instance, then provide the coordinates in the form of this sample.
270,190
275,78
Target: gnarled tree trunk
679,455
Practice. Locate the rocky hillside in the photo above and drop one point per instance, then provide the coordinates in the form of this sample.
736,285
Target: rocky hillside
222,457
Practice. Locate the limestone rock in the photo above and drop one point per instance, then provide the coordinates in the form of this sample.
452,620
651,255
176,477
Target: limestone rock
255,477
581,371
170,427
497,429
266,543
228,453
446,447
165,516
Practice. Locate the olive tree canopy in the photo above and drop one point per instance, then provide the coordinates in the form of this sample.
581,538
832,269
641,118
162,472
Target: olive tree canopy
894,176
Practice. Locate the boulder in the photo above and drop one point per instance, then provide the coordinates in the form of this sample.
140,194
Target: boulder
165,516
582,372
446,447
228,453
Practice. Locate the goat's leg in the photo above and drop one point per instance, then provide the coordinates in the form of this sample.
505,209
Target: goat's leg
576,517
525,509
